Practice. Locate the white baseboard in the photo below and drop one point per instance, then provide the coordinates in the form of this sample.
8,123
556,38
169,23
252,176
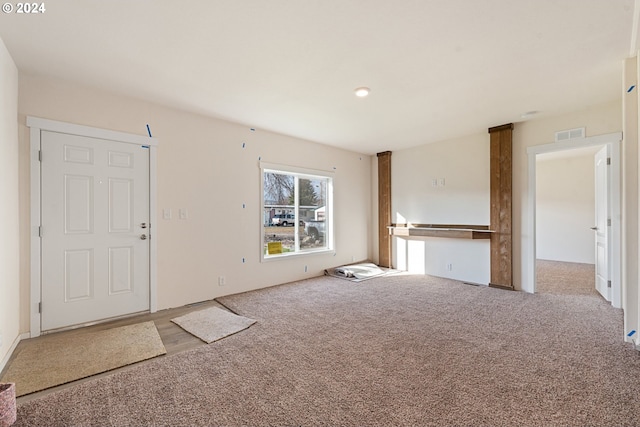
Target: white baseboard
12,349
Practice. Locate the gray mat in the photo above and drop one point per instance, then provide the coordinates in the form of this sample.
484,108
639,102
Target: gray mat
212,324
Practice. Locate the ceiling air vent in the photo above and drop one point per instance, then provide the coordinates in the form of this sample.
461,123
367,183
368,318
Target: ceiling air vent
565,135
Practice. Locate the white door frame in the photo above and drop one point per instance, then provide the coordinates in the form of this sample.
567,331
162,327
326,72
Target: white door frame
602,200
37,125
613,140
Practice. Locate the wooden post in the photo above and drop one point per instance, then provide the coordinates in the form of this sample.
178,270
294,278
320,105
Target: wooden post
500,187
384,208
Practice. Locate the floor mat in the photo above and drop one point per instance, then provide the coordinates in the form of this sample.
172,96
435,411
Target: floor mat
359,272
212,323
51,360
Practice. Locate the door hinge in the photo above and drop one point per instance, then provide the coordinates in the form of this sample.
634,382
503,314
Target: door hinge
608,283
39,155
609,222
608,161
40,307
39,231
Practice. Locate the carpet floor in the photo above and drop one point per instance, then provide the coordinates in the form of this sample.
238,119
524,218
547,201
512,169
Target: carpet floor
565,278
400,350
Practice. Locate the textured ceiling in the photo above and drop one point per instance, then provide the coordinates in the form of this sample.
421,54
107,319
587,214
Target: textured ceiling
437,69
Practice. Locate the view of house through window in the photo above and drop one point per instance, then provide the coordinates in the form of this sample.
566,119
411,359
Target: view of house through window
296,213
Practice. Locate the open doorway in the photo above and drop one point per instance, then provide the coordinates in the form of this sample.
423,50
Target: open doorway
565,218
612,142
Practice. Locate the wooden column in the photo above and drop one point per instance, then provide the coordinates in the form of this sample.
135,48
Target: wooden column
384,208
500,184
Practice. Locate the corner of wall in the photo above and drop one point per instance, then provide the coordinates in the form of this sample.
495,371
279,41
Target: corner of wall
630,202
9,208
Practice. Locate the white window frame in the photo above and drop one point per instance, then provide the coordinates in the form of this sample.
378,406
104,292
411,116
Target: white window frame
299,172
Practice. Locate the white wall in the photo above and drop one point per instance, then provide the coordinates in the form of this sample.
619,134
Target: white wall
374,250
565,207
460,168
203,167
9,205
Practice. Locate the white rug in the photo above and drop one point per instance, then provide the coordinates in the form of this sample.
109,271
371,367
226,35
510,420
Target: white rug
212,324
358,272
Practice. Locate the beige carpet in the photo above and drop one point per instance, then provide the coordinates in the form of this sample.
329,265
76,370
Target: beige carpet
404,350
55,359
212,324
565,278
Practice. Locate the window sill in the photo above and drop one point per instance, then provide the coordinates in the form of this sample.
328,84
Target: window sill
291,255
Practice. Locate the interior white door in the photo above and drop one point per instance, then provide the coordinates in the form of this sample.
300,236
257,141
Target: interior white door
95,229
603,283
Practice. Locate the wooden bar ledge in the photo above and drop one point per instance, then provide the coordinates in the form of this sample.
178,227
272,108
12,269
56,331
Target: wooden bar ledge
451,231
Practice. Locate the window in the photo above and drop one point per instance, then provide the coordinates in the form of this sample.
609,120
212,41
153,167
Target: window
297,211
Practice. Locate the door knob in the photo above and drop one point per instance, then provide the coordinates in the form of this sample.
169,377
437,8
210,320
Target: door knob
594,228
143,237
143,225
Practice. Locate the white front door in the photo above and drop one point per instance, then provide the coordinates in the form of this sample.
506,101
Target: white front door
603,283
95,229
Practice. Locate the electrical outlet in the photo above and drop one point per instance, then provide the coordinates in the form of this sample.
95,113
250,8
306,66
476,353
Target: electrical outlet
221,281
449,267
305,268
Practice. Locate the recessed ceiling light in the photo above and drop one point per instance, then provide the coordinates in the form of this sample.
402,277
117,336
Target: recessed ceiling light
362,91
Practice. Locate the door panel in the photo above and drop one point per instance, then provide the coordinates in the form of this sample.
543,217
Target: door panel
78,275
602,227
120,205
78,208
95,196
120,270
